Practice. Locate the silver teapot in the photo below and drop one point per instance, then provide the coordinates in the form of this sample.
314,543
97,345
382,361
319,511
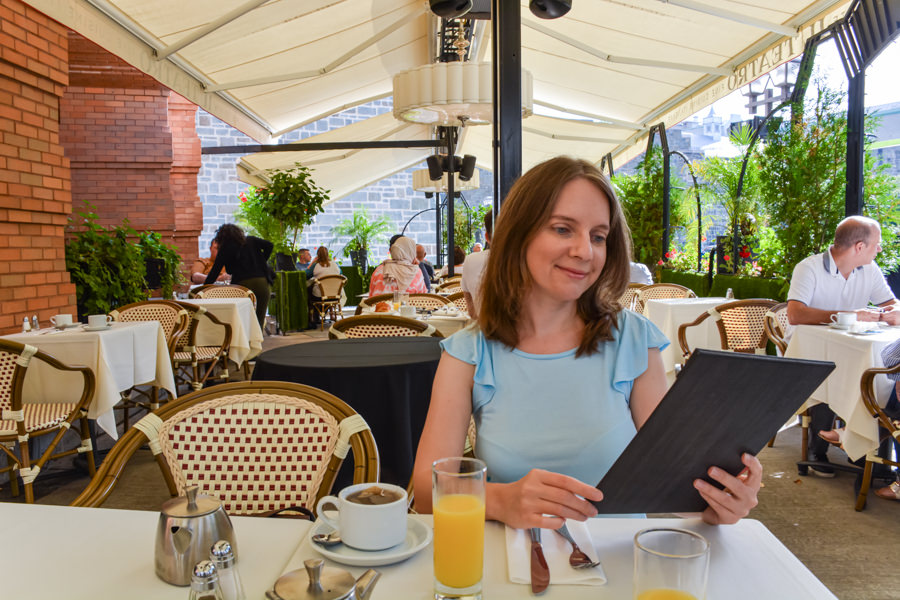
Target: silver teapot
188,526
317,582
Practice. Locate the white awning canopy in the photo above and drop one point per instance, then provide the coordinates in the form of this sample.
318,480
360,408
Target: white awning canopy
615,67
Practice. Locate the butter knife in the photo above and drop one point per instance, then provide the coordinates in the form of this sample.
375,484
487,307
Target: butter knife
540,573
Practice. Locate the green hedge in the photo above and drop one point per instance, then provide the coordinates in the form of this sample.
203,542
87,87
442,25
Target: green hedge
290,306
743,287
354,285
698,282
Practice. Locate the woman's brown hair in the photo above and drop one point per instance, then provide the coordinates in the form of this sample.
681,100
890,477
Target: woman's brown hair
322,256
506,280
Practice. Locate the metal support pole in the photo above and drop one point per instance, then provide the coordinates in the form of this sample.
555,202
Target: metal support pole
855,144
506,36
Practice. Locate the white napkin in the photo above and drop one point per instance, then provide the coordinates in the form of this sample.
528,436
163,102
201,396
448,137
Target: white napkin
556,551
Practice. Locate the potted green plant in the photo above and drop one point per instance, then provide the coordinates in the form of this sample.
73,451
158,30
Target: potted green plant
362,232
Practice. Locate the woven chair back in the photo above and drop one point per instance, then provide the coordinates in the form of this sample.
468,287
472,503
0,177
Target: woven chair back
742,324
630,299
663,291
9,368
776,325
371,301
459,299
214,290
257,446
331,286
451,287
376,326
428,301
173,318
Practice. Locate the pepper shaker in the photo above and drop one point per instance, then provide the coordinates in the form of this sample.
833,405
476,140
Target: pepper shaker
729,294
34,323
204,582
230,584
26,326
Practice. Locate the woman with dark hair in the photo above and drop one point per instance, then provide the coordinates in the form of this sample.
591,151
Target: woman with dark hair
245,258
459,257
557,376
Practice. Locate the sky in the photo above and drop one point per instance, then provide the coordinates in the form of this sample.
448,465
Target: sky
882,83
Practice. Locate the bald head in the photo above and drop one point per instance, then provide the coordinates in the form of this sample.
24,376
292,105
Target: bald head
420,252
854,230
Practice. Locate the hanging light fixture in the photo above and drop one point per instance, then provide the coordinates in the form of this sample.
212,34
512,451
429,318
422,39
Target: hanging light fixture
451,94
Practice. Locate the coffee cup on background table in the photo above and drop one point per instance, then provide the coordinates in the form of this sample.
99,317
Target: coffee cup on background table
370,516
98,321
60,321
408,311
844,318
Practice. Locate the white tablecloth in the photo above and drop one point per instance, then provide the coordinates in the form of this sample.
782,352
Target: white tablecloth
746,561
668,314
852,354
246,335
125,355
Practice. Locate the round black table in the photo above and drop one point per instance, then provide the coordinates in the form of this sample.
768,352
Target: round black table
386,380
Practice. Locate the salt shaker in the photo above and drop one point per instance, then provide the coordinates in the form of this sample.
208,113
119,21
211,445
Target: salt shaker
729,294
204,582
26,326
34,323
230,585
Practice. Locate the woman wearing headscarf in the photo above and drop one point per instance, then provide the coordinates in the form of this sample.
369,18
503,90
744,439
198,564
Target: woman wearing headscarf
400,272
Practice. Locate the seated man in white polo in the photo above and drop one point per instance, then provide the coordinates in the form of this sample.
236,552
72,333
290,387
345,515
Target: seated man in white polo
843,278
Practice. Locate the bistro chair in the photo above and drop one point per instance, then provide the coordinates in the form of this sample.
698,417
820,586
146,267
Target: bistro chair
371,301
450,286
331,287
776,324
459,299
174,320
662,291
630,298
258,446
375,326
200,362
21,421
740,326
214,290
428,301
890,428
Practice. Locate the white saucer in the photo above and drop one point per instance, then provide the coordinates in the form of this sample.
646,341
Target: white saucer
101,328
866,332
418,536
839,326
64,327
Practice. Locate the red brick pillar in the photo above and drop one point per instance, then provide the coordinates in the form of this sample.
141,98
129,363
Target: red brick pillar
35,196
186,162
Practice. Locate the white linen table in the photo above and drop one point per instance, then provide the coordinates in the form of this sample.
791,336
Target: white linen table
246,334
852,354
92,553
121,357
669,313
747,561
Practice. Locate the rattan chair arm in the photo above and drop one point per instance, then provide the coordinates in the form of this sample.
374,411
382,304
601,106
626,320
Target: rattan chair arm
867,391
90,380
682,333
107,477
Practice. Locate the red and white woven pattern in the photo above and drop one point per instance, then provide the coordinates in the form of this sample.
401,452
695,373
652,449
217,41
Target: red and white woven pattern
460,302
374,330
39,416
451,289
167,316
255,452
427,301
744,327
227,291
7,369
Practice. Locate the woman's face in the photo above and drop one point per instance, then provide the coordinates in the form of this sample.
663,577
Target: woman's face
568,253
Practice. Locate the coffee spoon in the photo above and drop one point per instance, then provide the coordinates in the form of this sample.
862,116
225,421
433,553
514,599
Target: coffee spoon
327,539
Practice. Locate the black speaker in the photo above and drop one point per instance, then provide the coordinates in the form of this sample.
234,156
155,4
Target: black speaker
435,171
429,194
548,9
468,167
450,9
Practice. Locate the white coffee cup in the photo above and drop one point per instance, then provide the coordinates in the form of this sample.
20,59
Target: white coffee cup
367,526
844,318
408,311
61,320
98,321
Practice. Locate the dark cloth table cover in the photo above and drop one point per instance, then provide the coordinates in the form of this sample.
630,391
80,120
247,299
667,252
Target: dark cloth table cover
386,380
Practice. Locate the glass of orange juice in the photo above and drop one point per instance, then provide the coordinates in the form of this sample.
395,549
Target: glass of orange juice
396,300
458,505
670,564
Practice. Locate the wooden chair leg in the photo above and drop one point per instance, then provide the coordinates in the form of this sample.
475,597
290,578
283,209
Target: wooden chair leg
771,442
86,440
25,463
13,470
864,488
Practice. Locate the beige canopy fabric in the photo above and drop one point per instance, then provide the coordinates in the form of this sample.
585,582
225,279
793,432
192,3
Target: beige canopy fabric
606,71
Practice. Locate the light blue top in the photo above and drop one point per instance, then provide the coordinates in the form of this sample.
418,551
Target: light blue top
554,411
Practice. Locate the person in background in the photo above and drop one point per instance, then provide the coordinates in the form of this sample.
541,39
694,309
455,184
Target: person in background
459,257
303,259
557,378
890,356
843,278
245,258
640,274
477,247
427,267
400,272
321,265
201,266
473,269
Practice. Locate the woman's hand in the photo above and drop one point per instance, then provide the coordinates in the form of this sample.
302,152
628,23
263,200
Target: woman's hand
739,496
527,502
